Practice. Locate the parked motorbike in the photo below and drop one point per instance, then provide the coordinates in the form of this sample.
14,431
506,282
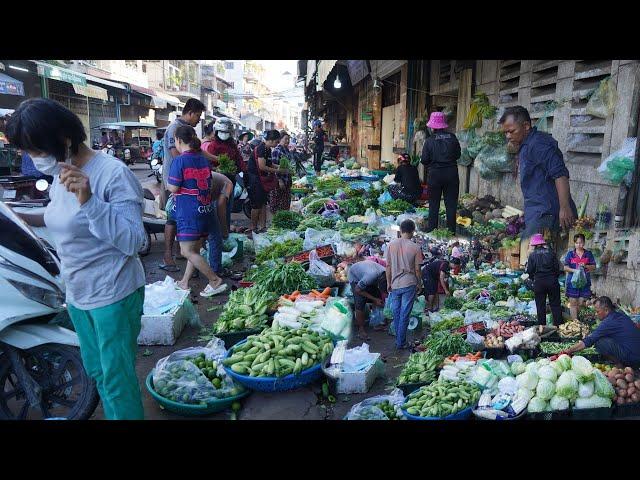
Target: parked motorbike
41,371
156,166
241,197
109,150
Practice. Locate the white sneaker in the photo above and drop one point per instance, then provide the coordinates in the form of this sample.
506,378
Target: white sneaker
209,291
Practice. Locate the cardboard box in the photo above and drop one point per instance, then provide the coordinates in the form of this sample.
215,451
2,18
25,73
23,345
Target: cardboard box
166,328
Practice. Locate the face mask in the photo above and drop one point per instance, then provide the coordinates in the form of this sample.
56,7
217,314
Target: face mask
223,136
47,164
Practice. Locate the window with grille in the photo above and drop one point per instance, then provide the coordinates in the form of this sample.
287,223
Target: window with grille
228,65
391,90
509,82
544,79
585,140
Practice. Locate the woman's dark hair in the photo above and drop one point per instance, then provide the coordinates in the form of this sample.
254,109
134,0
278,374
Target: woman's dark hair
208,128
159,135
283,134
193,105
455,261
577,236
272,135
43,125
407,226
606,303
187,135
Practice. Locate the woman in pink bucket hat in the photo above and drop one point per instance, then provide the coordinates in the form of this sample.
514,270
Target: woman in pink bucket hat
544,269
440,155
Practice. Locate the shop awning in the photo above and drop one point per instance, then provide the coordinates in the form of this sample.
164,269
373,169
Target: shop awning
143,90
358,69
91,91
11,86
103,81
158,102
324,69
59,73
170,99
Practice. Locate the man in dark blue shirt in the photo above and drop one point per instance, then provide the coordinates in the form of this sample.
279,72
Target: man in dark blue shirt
617,338
544,178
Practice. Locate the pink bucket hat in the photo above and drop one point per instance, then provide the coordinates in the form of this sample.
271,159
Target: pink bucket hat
437,121
537,239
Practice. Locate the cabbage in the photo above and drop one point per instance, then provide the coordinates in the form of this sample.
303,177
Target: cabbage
548,373
582,368
593,402
557,367
545,389
527,380
517,368
542,362
525,393
537,405
508,385
564,361
567,385
532,367
602,386
585,390
559,403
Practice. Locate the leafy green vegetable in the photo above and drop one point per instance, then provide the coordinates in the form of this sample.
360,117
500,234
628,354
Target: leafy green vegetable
396,206
330,184
446,344
282,278
453,302
286,219
317,222
352,206
226,166
441,233
245,309
280,250
420,367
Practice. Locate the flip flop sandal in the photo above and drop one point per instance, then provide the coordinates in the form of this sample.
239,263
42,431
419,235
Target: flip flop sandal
169,268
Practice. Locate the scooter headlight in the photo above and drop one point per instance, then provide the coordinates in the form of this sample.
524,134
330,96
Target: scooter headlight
50,298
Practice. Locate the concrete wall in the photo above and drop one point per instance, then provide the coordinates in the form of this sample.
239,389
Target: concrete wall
541,80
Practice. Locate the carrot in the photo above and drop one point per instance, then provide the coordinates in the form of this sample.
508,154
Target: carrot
296,293
326,292
316,293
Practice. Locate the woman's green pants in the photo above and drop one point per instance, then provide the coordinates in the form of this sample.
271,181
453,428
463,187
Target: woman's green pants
108,344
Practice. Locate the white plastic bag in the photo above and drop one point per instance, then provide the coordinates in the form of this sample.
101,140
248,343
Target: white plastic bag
473,316
316,238
160,297
336,319
367,409
474,339
321,271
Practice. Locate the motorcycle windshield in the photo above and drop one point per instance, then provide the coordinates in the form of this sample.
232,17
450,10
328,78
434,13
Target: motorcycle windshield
16,235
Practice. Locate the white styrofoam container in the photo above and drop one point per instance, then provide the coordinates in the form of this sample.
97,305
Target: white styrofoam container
166,328
357,382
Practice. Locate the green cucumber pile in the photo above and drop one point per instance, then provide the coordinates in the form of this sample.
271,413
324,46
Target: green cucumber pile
441,398
278,352
420,367
393,412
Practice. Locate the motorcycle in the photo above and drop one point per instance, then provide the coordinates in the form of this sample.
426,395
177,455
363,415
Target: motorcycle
156,166
109,150
41,371
241,197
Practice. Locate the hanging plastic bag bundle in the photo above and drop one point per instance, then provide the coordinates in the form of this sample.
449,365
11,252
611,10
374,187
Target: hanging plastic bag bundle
602,102
496,158
465,137
322,272
620,164
578,279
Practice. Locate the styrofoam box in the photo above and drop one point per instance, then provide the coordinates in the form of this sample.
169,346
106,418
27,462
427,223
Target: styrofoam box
358,382
166,328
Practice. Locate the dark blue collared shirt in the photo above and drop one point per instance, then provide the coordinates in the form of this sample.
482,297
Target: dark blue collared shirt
621,329
541,162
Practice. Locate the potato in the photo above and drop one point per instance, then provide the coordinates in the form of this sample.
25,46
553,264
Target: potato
628,377
629,400
615,371
620,401
628,370
622,393
612,381
621,383
635,397
637,384
619,376
631,390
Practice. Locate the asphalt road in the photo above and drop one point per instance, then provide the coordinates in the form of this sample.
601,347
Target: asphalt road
302,404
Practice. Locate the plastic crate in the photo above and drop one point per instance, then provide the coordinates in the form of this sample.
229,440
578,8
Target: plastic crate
188,410
231,338
408,388
592,413
627,410
554,415
370,178
276,384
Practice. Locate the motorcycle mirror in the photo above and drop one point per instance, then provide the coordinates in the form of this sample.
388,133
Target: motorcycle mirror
154,162
42,185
